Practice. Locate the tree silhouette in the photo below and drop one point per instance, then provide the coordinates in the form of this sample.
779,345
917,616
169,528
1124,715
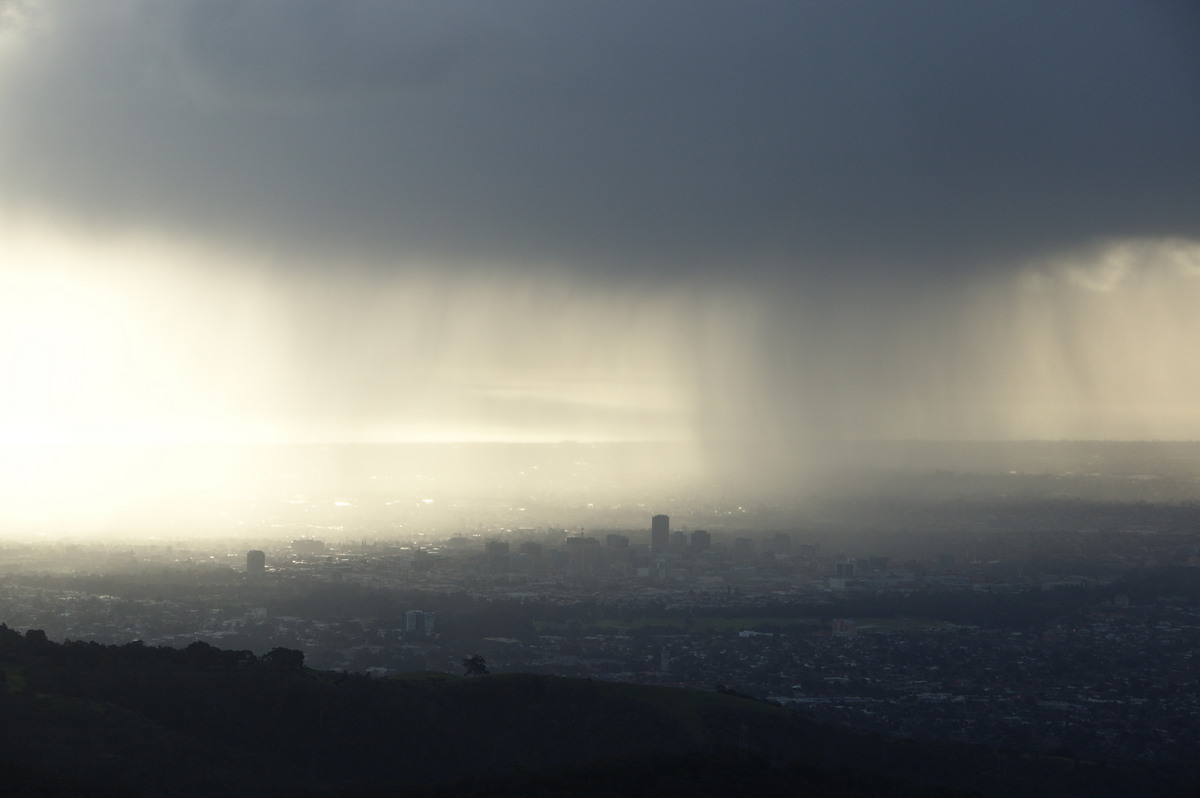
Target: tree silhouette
286,660
475,665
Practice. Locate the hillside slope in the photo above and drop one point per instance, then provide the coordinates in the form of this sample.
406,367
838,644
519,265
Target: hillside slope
85,718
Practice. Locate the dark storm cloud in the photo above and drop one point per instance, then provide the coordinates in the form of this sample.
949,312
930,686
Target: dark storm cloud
667,138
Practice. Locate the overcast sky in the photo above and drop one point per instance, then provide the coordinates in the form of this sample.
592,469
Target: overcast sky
292,219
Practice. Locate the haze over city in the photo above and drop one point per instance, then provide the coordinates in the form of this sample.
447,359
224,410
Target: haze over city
607,397
747,232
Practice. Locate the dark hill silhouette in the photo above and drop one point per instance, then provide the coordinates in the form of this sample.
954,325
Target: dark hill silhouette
83,718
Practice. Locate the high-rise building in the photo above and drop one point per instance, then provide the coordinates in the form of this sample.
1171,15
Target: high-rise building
701,541
616,550
678,542
256,562
616,542
660,534
418,622
583,554
495,557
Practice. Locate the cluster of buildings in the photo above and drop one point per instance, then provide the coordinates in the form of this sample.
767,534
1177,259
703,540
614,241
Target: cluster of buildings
587,555
777,616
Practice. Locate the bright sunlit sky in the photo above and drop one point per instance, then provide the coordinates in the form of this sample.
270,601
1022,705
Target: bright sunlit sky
378,221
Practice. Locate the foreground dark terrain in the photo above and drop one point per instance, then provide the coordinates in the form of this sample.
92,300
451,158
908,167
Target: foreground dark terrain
84,718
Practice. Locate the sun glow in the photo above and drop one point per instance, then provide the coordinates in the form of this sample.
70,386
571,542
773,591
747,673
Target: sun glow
89,353
141,342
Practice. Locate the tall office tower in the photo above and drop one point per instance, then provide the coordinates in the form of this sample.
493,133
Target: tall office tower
660,534
583,554
418,622
678,542
256,562
701,541
616,550
616,542
495,557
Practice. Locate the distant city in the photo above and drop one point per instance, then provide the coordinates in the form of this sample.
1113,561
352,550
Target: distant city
1049,612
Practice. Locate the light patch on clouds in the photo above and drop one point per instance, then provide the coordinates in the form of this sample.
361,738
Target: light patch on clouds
137,340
